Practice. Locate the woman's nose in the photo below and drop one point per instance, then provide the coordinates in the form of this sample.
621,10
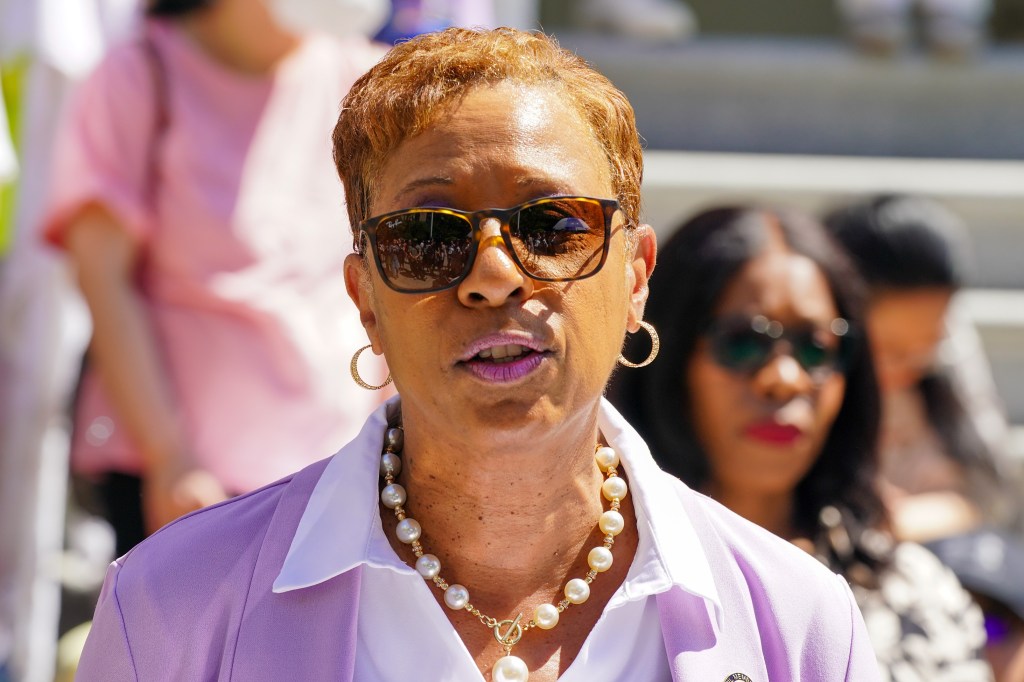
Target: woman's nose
495,277
782,378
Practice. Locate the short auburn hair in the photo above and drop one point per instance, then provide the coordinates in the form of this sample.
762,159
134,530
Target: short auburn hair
404,93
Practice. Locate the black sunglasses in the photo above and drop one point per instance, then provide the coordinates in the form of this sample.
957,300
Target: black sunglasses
746,344
554,239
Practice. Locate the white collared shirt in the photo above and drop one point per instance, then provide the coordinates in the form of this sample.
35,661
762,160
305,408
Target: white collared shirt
402,630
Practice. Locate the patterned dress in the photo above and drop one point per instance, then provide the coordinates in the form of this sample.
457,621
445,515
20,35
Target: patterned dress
923,625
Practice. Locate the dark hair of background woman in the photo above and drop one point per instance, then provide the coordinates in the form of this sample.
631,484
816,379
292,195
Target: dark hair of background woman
694,268
903,243
175,8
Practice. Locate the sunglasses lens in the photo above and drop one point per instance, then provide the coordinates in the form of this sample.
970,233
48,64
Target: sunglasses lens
426,249
741,349
741,345
559,239
812,354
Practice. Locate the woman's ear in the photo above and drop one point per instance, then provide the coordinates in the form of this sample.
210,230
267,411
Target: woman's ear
641,265
360,289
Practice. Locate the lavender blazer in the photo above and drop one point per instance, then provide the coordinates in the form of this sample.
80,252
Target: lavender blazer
194,602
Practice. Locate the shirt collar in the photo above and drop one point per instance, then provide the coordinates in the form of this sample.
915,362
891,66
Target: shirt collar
670,553
341,529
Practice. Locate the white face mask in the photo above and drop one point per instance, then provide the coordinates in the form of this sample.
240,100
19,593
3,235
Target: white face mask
335,17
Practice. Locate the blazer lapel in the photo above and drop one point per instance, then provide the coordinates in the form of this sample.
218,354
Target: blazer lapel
697,650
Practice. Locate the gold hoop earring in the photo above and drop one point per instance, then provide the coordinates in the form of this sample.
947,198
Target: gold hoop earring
655,347
354,366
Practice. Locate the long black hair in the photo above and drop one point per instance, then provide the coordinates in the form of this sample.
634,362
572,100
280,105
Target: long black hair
905,243
175,8
694,268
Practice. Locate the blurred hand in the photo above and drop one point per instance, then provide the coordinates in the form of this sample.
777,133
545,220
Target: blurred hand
175,489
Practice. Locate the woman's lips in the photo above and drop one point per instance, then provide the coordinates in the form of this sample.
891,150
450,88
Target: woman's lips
506,370
501,342
774,433
503,357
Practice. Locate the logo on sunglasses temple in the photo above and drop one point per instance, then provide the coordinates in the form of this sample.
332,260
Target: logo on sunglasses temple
552,239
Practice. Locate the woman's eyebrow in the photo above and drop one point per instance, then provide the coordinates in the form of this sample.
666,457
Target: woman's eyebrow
547,186
419,183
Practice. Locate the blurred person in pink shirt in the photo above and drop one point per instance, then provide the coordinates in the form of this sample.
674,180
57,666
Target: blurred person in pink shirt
193,191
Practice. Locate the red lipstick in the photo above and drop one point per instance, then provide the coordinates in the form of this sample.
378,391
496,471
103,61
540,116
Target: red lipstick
774,433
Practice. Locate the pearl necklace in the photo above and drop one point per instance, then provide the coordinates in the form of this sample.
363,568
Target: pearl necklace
507,632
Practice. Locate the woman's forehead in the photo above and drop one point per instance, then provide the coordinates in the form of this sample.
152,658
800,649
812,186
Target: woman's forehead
502,139
779,282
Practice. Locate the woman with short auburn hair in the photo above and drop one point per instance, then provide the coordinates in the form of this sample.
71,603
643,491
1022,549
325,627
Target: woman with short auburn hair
498,519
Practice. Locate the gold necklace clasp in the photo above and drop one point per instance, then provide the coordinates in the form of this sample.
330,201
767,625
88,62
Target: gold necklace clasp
511,635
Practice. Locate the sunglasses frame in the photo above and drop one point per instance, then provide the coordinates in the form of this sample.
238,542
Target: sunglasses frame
774,331
369,228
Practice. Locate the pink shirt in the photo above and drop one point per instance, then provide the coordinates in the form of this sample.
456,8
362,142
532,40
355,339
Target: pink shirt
242,247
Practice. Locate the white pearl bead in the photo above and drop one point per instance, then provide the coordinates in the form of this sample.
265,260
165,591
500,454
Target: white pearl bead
408,530
510,669
600,559
614,487
392,460
606,458
394,438
456,597
393,495
428,566
546,616
577,591
611,523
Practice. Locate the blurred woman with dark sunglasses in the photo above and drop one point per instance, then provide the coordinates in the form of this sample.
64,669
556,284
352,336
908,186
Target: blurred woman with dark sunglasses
770,405
498,519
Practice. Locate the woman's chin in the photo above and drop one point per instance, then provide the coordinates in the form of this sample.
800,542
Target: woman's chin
526,412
